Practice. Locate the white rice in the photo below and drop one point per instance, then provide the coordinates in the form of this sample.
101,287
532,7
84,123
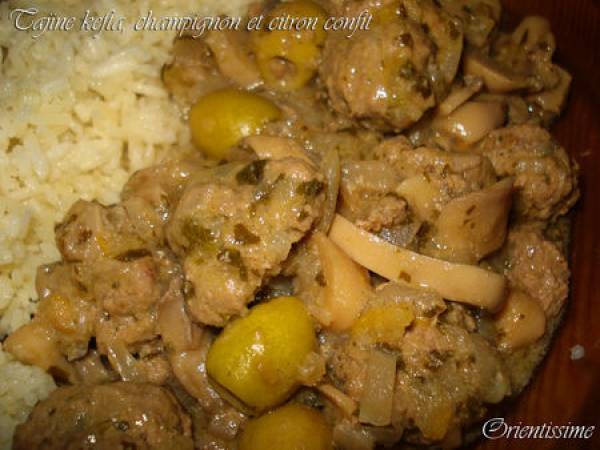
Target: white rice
69,104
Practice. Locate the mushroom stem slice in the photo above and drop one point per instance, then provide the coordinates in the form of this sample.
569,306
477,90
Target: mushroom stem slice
457,282
347,286
496,78
474,225
276,148
472,121
459,95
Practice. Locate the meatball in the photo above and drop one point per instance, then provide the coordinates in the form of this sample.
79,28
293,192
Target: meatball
537,267
91,231
545,178
451,174
388,77
480,18
234,226
368,195
110,416
445,375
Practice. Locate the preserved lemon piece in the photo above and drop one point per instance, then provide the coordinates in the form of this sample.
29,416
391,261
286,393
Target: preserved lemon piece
288,59
258,357
222,118
60,313
291,427
36,344
383,324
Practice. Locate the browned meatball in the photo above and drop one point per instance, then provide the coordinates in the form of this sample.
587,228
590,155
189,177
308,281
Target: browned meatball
235,224
537,267
388,76
545,178
111,416
446,372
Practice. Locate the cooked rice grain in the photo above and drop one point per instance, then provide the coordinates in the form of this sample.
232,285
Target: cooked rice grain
72,106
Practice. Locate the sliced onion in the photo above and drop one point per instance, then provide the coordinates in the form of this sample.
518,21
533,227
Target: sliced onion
459,95
330,166
124,362
346,404
312,369
174,324
378,392
352,436
534,32
233,59
190,371
274,147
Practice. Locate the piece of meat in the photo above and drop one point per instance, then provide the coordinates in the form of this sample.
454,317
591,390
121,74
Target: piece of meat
451,174
76,235
536,266
388,76
545,178
446,372
161,185
308,281
125,288
479,18
449,376
91,231
67,305
109,303
127,294
368,196
234,226
109,416
218,420
192,71
233,57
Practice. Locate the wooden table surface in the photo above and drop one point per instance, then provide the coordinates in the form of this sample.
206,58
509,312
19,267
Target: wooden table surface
566,391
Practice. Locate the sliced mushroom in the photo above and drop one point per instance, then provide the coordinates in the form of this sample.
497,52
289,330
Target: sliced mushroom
233,59
421,196
473,121
496,78
521,322
534,32
347,287
553,100
459,95
345,403
473,226
273,147
458,282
